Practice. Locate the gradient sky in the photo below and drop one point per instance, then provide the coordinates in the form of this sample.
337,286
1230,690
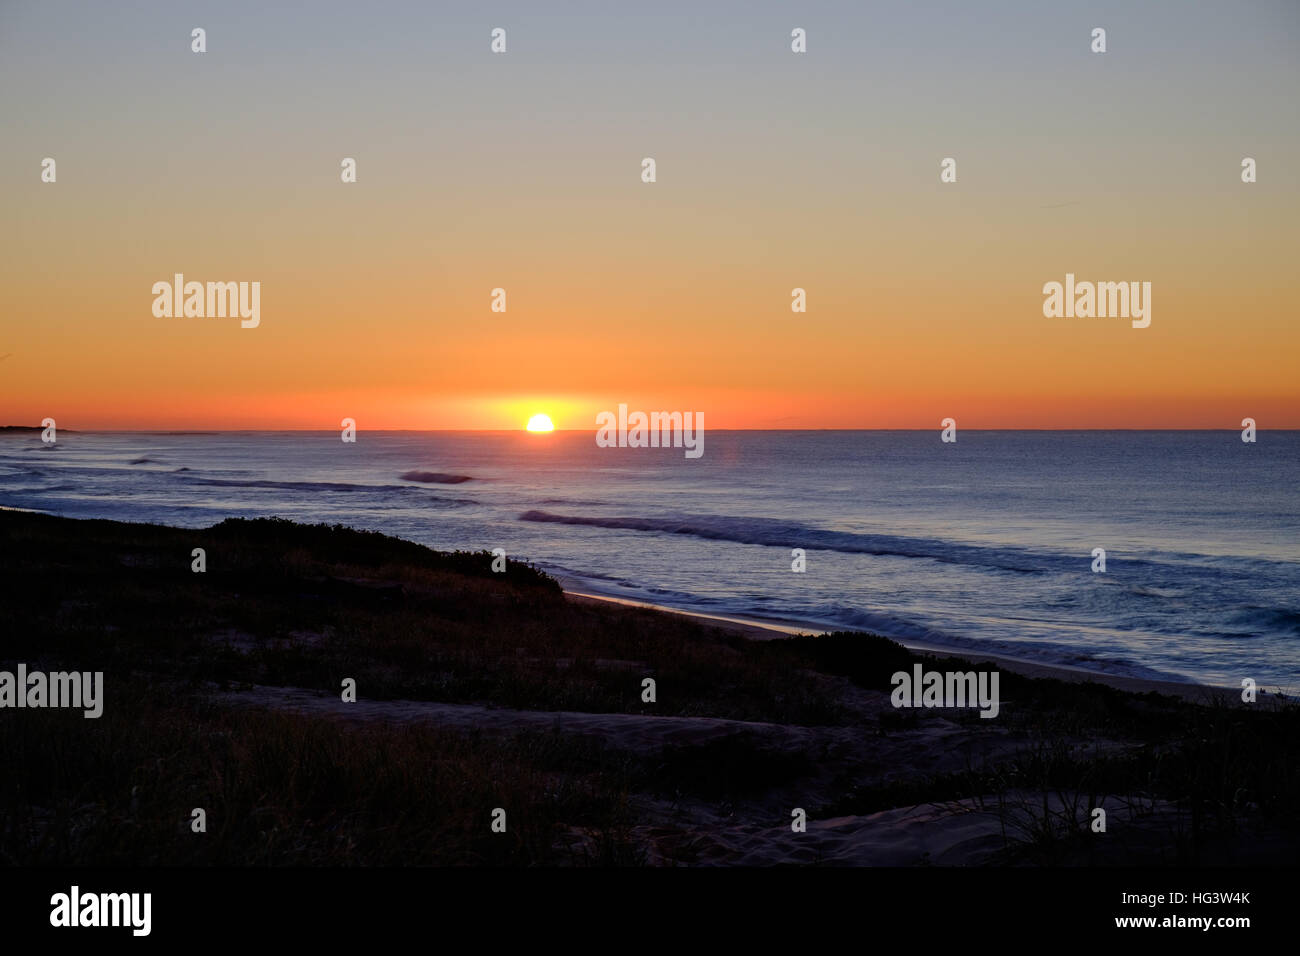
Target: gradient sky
775,170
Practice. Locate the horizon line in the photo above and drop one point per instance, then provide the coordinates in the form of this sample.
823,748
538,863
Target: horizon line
968,428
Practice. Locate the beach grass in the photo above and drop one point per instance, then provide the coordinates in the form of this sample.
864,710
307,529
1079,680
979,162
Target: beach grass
761,724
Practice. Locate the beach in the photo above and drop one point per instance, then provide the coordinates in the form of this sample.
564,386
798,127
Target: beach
766,631
449,452
472,691
983,548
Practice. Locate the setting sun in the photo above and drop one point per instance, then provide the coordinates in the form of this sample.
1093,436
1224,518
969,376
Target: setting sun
540,423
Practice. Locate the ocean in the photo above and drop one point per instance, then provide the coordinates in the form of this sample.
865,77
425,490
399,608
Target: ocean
985,544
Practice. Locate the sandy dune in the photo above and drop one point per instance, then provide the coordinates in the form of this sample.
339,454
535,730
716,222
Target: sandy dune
757,830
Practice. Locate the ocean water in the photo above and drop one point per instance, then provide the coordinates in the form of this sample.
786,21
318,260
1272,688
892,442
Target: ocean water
982,544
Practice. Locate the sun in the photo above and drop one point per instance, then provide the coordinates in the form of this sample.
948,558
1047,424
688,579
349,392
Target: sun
540,423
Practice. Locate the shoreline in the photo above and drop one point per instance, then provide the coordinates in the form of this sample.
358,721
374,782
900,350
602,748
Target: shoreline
326,679
768,631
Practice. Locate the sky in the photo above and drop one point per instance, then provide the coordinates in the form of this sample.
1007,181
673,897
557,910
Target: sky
775,170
